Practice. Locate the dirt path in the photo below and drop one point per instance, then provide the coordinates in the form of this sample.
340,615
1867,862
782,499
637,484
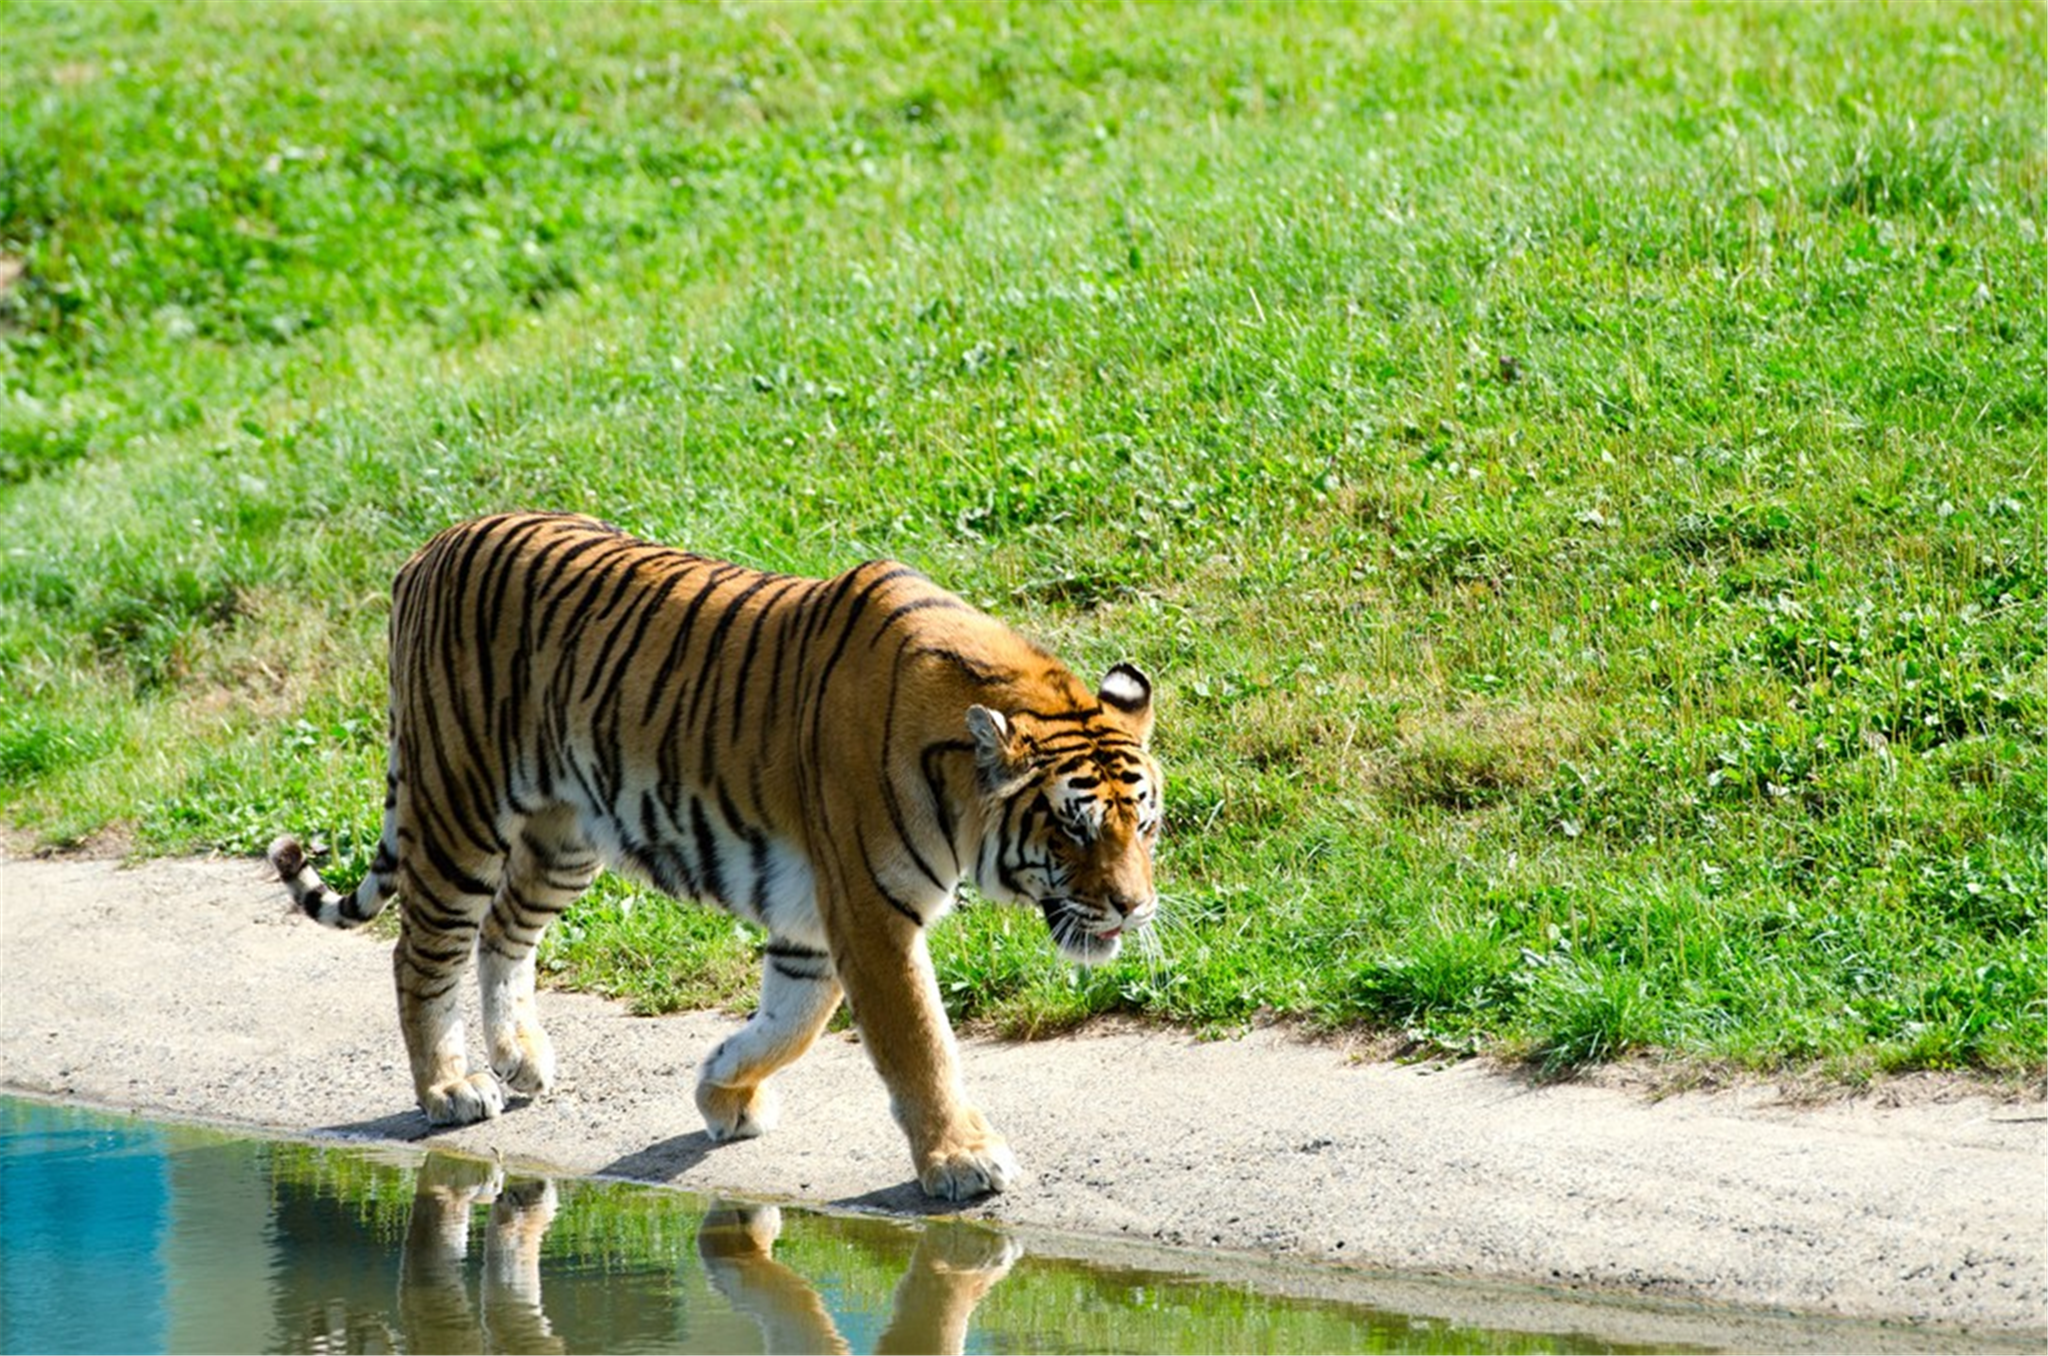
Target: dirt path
184,989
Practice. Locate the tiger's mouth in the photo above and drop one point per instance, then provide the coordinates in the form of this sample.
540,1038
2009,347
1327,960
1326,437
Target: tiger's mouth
1084,935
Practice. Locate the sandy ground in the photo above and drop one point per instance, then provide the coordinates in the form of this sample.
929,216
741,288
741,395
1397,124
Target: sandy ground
185,989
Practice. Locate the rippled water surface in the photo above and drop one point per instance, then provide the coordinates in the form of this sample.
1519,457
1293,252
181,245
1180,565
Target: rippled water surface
126,1235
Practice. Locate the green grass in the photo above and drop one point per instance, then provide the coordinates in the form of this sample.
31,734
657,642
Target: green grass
1575,473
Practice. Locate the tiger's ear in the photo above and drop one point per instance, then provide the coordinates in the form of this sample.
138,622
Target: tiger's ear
1000,750
1127,691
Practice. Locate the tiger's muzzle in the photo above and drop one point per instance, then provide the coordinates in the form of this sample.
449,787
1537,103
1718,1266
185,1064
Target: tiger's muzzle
1093,934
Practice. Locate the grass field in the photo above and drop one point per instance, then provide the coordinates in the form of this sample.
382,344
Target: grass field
1576,473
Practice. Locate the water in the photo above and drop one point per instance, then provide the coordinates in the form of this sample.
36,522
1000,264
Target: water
119,1234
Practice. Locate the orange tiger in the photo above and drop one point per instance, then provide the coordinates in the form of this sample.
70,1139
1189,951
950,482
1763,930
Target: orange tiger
826,758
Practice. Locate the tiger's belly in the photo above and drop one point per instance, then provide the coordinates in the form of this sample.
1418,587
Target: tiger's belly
692,849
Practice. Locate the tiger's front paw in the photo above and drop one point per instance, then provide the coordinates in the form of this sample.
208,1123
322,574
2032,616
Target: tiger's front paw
737,1113
955,1248
963,1171
463,1101
739,1231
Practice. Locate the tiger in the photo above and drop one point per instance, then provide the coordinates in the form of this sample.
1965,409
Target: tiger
828,759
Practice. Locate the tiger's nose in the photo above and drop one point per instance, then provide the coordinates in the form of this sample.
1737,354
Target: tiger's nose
1131,908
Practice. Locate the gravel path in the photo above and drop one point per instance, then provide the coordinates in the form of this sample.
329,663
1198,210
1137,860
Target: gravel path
184,989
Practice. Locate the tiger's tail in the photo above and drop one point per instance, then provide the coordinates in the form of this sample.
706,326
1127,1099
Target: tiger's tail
319,901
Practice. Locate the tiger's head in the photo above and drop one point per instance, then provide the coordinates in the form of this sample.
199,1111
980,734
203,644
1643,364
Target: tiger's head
1073,804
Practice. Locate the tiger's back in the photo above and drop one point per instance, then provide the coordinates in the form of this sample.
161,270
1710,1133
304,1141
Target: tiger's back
804,753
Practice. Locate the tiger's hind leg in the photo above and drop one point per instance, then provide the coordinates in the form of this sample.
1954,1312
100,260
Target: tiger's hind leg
550,864
435,940
799,994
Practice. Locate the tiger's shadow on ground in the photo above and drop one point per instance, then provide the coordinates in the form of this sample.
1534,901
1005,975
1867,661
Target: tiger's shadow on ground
409,1126
659,1162
906,1198
663,1161
671,1158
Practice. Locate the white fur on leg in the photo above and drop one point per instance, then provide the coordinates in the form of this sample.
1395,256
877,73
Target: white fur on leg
738,1113
447,1091
521,1053
463,1101
732,1089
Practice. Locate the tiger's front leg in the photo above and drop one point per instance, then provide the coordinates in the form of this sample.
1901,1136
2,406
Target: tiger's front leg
799,994
889,981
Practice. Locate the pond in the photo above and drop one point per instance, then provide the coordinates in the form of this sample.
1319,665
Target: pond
123,1234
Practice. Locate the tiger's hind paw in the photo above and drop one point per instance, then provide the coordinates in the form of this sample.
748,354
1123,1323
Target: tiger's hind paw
526,1063
737,1113
463,1101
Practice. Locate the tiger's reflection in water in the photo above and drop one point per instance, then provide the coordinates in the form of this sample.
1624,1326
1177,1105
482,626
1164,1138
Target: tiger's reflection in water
434,1306
952,1267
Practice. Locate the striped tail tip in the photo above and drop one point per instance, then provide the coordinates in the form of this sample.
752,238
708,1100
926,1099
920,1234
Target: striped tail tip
309,893
287,858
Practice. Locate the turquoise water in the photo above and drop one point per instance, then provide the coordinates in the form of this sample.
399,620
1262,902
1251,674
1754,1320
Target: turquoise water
123,1235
